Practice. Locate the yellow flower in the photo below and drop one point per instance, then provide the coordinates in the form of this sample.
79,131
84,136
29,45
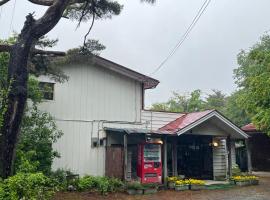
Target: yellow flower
172,179
196,182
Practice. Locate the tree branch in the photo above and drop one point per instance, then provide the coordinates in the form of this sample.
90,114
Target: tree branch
7,48
42,2
3,2
50,2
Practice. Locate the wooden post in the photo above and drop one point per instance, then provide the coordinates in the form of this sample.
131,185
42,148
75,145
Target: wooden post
249,164
165,161
174,158
229,148
125,157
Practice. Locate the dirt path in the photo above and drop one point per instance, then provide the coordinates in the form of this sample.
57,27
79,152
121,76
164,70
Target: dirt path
261,192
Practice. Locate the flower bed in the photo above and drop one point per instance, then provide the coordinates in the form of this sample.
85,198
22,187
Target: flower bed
196,184
134,188
179,185
171,182
245,180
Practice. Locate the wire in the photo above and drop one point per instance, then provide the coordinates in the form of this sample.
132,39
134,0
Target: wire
185,35
12,16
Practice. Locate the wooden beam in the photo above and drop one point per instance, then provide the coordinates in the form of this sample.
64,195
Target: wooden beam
249,164
174,158
229,149
125,157
165,168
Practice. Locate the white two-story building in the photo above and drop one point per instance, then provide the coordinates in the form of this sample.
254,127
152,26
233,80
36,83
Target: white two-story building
100,110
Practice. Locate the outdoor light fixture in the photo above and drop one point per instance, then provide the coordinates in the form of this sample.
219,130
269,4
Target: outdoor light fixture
215,144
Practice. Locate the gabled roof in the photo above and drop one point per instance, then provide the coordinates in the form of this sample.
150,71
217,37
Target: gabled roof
190,120
184,121
147,81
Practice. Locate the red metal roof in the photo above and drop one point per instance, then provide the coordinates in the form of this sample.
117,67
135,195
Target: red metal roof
249,128
184,121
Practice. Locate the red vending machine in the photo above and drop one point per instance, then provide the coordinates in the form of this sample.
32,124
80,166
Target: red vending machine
149,165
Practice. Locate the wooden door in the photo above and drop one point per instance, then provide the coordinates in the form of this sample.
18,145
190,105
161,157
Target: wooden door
115,162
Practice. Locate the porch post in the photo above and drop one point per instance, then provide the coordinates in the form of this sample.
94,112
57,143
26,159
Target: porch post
229,148
165,161
249,164
174,158
125,157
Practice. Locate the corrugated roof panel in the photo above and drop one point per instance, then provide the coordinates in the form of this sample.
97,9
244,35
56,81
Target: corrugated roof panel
184,121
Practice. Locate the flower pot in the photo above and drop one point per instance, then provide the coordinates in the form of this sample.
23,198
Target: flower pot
150,191
181,187
242,183
197,187
131,191
171,185
139,191
254,182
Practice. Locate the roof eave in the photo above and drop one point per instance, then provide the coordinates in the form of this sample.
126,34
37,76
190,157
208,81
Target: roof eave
208,116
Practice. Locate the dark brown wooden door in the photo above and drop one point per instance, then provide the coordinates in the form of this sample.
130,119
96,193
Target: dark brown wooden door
115,162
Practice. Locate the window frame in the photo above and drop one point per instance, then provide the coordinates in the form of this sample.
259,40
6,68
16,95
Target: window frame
42,85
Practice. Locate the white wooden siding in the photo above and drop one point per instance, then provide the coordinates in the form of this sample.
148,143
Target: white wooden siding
155,120
91,96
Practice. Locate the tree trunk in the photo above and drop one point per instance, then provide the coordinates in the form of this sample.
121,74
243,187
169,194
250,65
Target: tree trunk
18,77
17,96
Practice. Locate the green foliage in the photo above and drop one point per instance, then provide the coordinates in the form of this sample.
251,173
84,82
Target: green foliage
236,170
32,186
234,109
82,54
216,100
101,184
101,9
181,103
34,150
134,185
253,79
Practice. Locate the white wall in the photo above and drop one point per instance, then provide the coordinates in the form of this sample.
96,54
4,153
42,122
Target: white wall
91,95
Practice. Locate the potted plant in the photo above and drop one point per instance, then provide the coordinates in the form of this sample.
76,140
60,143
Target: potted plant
254,180
134,188
171,182
196,184
181,185
241,180
150,188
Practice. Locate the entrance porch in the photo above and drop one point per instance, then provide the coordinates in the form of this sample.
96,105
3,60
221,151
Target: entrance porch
203,149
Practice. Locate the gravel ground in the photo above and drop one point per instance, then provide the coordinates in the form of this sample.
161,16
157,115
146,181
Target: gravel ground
260,192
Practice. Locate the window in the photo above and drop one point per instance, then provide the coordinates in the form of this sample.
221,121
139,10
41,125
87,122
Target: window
47,89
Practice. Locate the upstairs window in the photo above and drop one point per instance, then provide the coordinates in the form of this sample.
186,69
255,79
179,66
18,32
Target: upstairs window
47,89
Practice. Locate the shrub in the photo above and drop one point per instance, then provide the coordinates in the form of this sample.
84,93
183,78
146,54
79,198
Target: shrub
30,186
100,184
236,170
87,183
134,185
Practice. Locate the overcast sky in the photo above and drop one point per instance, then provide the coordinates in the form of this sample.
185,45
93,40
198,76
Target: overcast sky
143,35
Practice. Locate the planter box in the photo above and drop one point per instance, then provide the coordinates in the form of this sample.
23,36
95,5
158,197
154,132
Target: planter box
150,191
181,187
131,191
171,185
254,182
232,182
197,187
139,191
242,183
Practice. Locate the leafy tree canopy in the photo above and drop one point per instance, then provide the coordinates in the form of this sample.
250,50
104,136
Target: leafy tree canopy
253,79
